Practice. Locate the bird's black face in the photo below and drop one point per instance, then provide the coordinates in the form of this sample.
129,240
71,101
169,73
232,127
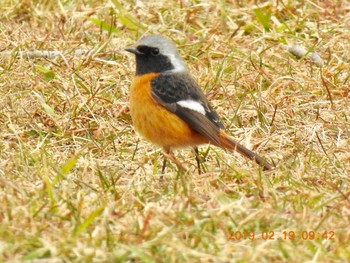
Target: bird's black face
150,60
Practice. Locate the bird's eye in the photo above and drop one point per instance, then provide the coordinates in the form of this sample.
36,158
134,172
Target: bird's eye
155,51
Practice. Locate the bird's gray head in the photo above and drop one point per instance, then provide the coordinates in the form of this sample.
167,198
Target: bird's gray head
156,54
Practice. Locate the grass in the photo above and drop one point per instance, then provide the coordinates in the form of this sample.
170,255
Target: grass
78,185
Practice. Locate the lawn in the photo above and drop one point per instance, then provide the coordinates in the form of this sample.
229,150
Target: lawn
77,184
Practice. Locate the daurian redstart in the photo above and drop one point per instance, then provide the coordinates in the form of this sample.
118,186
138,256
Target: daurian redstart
168,107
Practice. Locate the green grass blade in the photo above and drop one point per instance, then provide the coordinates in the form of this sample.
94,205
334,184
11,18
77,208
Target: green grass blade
263,17
48,109
103,25
88,221
69,165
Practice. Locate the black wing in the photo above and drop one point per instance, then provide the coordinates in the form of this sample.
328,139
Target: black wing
170,88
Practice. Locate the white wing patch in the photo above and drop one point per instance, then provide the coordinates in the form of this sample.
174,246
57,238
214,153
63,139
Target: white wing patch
192,105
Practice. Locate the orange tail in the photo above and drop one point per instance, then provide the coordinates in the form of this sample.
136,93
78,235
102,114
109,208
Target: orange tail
228,142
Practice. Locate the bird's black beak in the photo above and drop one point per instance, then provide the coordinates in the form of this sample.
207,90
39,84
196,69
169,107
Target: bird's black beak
133,50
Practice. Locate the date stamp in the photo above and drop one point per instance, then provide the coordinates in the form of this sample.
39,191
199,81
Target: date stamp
284,235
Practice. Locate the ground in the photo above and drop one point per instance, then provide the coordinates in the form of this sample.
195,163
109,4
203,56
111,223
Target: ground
77,184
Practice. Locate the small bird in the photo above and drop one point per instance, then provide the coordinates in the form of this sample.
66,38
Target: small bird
167,106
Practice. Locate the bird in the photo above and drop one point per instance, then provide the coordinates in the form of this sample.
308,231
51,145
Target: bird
168,107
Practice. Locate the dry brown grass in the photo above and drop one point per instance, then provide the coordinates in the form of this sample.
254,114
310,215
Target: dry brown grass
76,183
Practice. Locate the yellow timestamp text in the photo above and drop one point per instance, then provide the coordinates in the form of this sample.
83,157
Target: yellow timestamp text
284,235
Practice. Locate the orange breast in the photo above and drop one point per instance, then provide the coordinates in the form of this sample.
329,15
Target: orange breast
154,122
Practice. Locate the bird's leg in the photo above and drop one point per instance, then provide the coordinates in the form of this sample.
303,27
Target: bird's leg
168,155
197,159
166,152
